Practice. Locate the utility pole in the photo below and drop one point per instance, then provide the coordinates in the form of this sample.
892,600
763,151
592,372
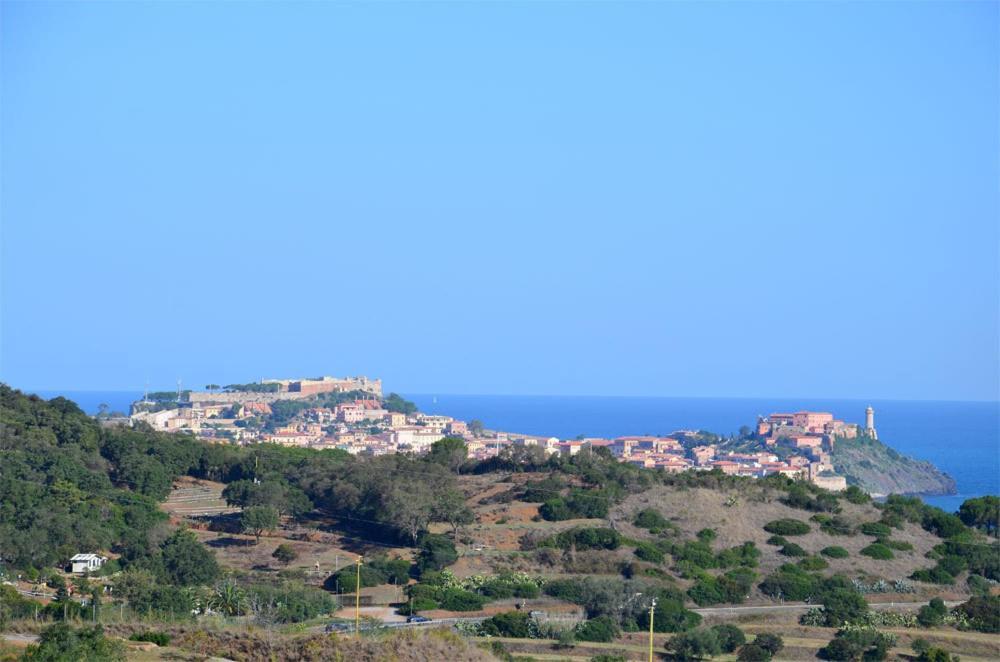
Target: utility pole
652,612
357,603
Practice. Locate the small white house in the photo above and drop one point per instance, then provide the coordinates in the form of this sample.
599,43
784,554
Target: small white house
87,562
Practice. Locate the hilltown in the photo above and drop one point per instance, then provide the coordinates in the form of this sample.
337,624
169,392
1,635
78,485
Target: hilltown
351,414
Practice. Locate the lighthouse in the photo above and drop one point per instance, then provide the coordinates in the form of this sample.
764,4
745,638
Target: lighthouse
870,423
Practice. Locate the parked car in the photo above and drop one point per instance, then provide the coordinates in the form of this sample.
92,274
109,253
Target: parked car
417,619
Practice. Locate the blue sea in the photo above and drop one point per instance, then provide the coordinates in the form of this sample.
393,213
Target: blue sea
962,438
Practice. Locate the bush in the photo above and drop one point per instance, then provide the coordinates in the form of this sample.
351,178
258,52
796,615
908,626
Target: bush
729,637
772,643
878,551
694,645
835,552
978,585
707,536
650,518
457,599
842,605
791,549
753,653
649,552
777,541
933,575
436,553
790,583
61,642
602,629
587,538
516,624
158,638
876,529
983,613
837,526
787,527
857,644
813,563
856,495
932,614
899,545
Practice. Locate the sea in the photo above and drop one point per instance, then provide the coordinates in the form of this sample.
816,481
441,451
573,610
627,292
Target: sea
961,438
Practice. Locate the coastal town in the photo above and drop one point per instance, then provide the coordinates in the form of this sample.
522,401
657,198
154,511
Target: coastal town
351,414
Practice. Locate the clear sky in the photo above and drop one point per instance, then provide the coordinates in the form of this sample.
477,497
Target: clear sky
783,199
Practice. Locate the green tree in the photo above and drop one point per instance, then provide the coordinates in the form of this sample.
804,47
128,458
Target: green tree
475,427
729,637
982,513
257,520
933,613
62,643
843,605
694,645
284,553
772,643
186,562
450,452
436,553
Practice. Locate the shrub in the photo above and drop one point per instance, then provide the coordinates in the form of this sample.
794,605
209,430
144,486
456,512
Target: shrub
878,551
932,613
787,527
842,605
770,642
791,549
516,624
649,552
856,495
694,645
777,541
790,583
753,653
588,538
978,585
729,637
457,599
876,529
837,526
813,563
857,644
601,629
899,545
983,613
436,553
835,552
933,575
158,638
707,535
650,518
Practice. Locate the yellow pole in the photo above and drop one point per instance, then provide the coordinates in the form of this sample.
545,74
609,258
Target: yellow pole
357,602
652,611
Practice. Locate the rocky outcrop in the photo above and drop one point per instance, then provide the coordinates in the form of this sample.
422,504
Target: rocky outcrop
880,470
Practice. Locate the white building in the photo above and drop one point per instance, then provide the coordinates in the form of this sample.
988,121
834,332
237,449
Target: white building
83,563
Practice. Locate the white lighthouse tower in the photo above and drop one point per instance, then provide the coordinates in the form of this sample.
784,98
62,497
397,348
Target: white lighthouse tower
870,423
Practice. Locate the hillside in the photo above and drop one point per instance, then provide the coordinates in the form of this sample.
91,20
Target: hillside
195,532
880,470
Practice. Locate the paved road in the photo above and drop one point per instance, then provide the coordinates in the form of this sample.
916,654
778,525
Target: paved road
793,607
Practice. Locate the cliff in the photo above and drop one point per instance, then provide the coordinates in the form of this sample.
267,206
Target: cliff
879,470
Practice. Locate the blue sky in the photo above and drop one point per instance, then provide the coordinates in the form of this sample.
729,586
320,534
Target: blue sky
783,199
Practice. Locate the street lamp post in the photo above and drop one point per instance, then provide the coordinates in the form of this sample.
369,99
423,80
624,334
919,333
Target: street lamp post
357,603
652,612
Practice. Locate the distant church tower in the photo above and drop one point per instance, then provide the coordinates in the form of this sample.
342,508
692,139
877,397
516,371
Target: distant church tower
870,423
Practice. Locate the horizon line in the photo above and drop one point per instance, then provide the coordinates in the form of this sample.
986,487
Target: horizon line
588,395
